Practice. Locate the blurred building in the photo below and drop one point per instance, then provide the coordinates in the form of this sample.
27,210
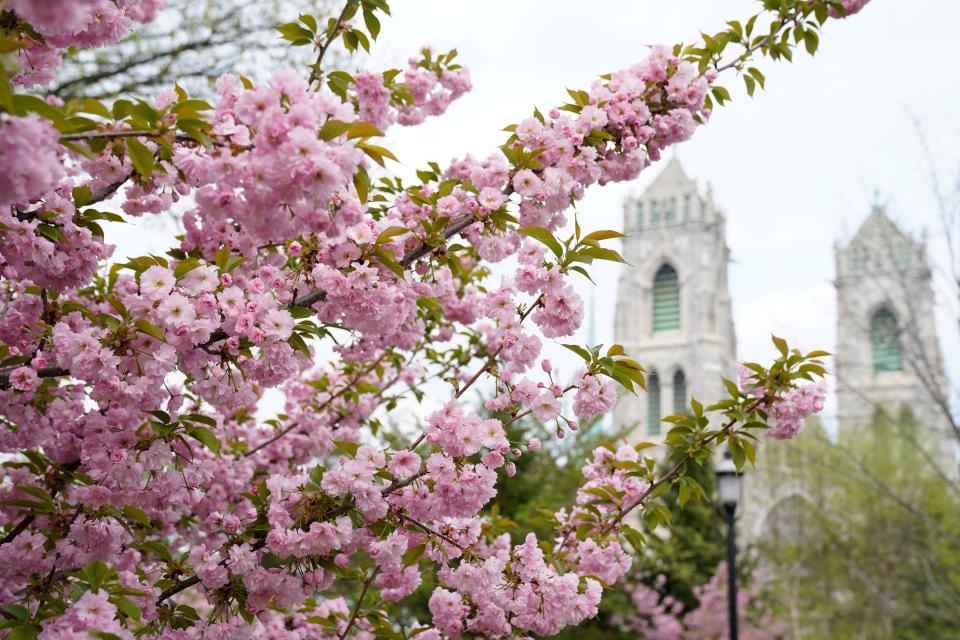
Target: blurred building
887,355
674,316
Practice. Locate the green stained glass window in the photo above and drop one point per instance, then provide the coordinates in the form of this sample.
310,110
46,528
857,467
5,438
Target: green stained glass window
653,404
885,340
679,393
666,300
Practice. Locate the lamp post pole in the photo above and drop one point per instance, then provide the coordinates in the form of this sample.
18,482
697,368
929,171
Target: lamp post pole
729,491
731,570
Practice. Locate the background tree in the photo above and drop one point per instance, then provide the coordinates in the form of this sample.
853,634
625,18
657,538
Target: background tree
191,43
866,544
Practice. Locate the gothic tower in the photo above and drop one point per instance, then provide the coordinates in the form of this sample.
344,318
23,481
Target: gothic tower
888,356
673,308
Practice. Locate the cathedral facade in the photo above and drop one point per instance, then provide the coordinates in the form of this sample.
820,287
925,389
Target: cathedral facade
674,316
887,353
673,312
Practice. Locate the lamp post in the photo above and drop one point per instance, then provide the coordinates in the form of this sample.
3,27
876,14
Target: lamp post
729,488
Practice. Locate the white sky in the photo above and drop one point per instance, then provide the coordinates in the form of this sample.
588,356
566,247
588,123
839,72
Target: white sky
796,168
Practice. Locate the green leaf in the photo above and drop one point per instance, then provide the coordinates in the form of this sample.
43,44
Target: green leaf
81,195
386,258
294,32
757,75
221,257
333,128
545,236
206,437
616,350
191,106
137,515
347,448
781,345
389,233
377,154
197,417
150,329
412,556
601,253
721,94
811,41
185,266
127,606
310,21
606,234
372,24
363,130
49,231
97,573
17,611
141,157
580,351
296,341
24,632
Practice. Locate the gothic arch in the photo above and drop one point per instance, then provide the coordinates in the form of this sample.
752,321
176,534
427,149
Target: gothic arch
654,403
680,391
886,348
666,307
784,516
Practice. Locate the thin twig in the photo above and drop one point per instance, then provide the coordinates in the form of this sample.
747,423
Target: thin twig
356,608
332,34
373,365
490,361
25,522
430,531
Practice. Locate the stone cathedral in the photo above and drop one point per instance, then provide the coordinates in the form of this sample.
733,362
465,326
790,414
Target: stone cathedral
674,316
673,310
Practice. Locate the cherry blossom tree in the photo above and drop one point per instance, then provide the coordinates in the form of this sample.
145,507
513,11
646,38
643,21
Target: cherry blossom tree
143,493
663,618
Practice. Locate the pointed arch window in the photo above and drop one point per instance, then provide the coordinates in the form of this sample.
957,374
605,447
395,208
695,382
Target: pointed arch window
679,392
653,404
885,341
666,300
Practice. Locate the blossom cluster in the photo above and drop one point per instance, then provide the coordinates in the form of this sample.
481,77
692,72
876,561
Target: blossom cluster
788,410
73,23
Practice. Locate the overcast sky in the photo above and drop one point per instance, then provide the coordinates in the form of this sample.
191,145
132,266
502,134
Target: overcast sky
796,168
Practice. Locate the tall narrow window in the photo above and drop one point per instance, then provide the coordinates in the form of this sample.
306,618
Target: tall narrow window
653,404
666,300
679,392
885,340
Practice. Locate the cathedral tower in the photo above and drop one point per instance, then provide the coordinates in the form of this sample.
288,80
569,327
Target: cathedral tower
888,355
673,307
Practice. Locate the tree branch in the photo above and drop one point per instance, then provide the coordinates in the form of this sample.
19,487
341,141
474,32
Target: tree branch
356,608
332,34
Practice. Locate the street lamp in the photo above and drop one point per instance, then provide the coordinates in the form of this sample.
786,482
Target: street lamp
729,491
